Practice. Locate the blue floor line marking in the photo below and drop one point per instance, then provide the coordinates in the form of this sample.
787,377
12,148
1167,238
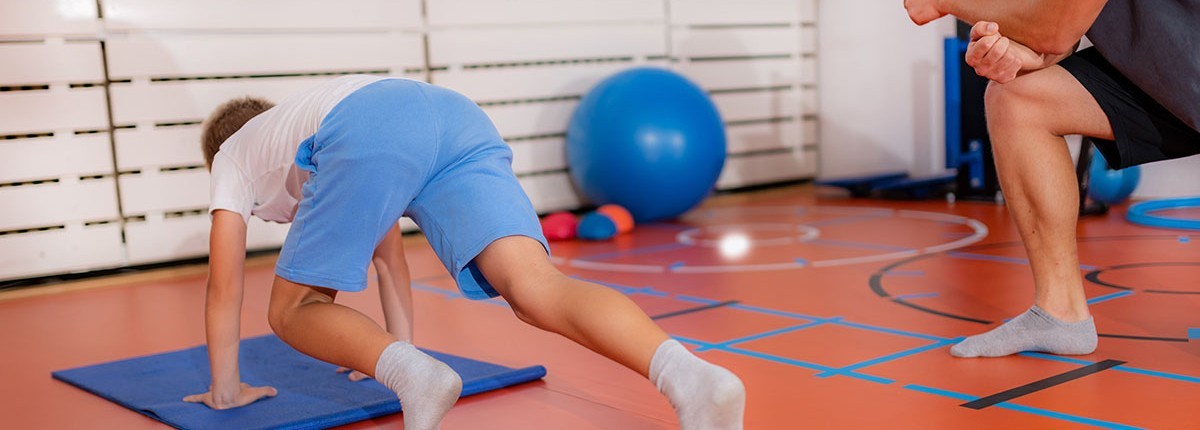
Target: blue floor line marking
675,265
697,299
986,257
805,364
634,251
1108,297
1193,333
1002,259
1122,368
893,331
847,244
1022,408
646,291
708,346
1184,239
767,334
776,313
1053,357
712,346
889,357
916,296
1155,373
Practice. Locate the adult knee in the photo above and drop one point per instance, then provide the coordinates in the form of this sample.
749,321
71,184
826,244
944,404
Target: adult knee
1024,103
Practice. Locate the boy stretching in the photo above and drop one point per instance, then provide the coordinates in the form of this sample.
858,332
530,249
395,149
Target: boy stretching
343,162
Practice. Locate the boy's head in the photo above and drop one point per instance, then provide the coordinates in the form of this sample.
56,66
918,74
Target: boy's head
226,120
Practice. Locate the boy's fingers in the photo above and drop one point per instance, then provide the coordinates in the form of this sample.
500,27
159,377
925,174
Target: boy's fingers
266,391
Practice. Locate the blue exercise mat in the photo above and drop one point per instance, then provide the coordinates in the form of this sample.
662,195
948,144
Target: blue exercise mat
311,394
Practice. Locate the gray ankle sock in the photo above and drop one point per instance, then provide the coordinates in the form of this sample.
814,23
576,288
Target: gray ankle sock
1034,330
427,388
705,396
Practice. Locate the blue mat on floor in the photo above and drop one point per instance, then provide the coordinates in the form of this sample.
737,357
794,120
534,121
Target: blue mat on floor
311,394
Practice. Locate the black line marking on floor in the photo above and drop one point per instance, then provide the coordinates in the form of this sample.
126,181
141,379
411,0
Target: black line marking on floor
1171,292
1155,338
1036,386
1094,276
692,310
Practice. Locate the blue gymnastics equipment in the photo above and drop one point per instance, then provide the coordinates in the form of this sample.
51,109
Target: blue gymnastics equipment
1111,186
311,394
1142,213
647,139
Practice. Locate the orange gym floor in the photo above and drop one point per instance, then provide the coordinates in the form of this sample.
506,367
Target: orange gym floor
836,313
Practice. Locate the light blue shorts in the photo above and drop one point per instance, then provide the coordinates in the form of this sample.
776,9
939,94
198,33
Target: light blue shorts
399,147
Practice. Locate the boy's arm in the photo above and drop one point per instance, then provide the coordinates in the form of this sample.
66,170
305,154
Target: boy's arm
222,315
395,291
1046,26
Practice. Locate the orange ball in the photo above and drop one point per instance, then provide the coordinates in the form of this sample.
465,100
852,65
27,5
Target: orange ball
619,216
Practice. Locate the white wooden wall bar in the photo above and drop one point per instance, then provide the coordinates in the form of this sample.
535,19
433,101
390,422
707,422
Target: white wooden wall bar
100,99
751,55
58,207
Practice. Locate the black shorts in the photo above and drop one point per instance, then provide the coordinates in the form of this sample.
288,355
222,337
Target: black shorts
1144,130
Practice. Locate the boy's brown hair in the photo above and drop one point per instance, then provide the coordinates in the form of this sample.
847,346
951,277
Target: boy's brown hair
226,120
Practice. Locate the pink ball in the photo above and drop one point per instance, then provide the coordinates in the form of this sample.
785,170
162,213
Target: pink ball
560,226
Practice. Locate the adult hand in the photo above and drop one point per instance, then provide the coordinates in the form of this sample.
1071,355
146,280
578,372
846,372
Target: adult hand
244,396
923,11
996,57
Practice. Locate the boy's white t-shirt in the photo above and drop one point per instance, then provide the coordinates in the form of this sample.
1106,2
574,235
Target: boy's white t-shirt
255,171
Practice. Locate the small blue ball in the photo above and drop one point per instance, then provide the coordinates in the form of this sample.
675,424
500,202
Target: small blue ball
596,226
1111,186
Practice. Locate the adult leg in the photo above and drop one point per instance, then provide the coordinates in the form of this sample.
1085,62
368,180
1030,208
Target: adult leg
705,396
1027,120
307,319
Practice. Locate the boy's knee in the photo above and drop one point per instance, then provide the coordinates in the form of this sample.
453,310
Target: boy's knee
531,297
277,314
286,298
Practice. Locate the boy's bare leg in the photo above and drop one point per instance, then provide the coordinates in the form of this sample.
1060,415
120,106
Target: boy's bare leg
705,396
307,319
395,293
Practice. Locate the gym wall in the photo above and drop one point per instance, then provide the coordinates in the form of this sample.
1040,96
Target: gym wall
101,102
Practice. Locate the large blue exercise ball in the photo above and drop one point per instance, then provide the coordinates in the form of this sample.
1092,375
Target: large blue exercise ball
647,139
1111,186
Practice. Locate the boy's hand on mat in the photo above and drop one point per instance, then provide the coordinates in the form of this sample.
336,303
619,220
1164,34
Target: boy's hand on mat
245,395
996,57
355,375
923,11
